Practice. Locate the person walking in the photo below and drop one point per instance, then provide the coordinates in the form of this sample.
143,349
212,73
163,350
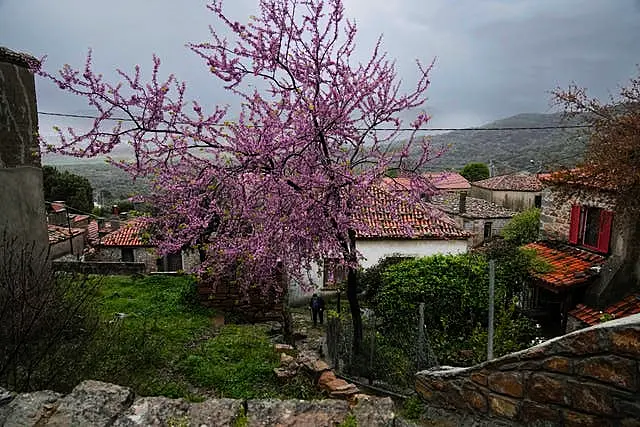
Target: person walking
317,309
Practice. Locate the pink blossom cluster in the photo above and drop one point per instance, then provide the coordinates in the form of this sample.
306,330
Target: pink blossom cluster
282,183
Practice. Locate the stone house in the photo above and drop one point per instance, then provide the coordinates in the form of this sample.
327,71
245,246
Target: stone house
481,218
584,316
589,246
125,243
65,241
420,230
517,192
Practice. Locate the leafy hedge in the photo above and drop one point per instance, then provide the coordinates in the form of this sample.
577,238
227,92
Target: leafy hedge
454,289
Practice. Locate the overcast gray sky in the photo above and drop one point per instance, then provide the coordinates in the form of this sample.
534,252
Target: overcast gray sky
494,58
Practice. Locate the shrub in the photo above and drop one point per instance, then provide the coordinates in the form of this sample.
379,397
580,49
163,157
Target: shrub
46,320
523,227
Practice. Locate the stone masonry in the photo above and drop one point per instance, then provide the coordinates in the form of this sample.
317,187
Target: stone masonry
21,197
587,378
94,403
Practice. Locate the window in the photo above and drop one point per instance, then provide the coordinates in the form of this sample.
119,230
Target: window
487,230
537,201
590,227
127,254
334,273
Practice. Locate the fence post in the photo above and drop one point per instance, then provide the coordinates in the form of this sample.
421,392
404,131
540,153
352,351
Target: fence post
372,321
420,351
492,278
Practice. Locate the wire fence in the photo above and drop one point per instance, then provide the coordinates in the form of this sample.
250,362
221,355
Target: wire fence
386,360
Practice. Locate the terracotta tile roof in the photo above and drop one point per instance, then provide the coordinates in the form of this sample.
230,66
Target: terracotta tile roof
443,181
129,234
423,221
623,308
79,218
475,208
448,181
93,232
58,234
569,266
514,182
57,206
577,177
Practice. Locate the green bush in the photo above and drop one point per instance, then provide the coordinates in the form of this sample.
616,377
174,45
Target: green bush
523,227
454,290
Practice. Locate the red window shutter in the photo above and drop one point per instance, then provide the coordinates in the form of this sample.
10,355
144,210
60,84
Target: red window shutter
574,228
604,234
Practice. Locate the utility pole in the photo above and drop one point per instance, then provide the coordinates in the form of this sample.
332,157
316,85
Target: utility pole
492,279
491,169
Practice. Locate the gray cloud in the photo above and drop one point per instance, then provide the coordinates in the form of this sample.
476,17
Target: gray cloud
494,57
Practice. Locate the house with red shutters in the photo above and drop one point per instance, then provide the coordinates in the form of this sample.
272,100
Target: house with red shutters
588,247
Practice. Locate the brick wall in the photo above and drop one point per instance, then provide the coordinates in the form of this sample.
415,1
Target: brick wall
587,378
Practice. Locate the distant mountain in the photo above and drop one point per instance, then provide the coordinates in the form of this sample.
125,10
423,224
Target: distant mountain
513,150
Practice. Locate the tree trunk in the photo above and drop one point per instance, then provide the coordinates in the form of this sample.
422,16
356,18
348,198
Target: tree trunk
287,319
287,324
352,295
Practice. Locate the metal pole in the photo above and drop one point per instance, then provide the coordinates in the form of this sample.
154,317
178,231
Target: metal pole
492,279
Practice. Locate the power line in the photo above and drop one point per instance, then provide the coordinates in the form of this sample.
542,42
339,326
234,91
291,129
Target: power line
470,129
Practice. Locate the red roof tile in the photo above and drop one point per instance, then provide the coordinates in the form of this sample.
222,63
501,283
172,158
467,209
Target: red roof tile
93,232
58,234
623,308
448,181
577,177
58,206
420,221
129,234
79,218
514,182
443,181
569,266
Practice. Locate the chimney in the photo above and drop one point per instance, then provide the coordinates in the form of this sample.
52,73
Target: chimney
115,210
462,208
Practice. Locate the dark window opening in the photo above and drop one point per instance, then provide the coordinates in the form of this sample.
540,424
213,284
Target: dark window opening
487,230
127,254
537,201
591,227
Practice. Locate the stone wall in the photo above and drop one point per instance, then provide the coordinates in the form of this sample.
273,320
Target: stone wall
21,198
65,247
514,200
587,378
146,256
621,274
98,404
476,227
100,267
253,307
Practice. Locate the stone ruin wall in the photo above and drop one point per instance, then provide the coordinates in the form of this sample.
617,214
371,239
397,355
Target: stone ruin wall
587,378
21,196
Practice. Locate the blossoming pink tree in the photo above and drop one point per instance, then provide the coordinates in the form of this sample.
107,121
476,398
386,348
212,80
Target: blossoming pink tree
281,183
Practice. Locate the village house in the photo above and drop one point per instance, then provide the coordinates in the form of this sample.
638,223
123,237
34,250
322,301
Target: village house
65,241
482,219
419,230
518,192
588,246
126,243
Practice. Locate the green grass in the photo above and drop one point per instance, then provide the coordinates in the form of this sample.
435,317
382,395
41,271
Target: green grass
155,338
